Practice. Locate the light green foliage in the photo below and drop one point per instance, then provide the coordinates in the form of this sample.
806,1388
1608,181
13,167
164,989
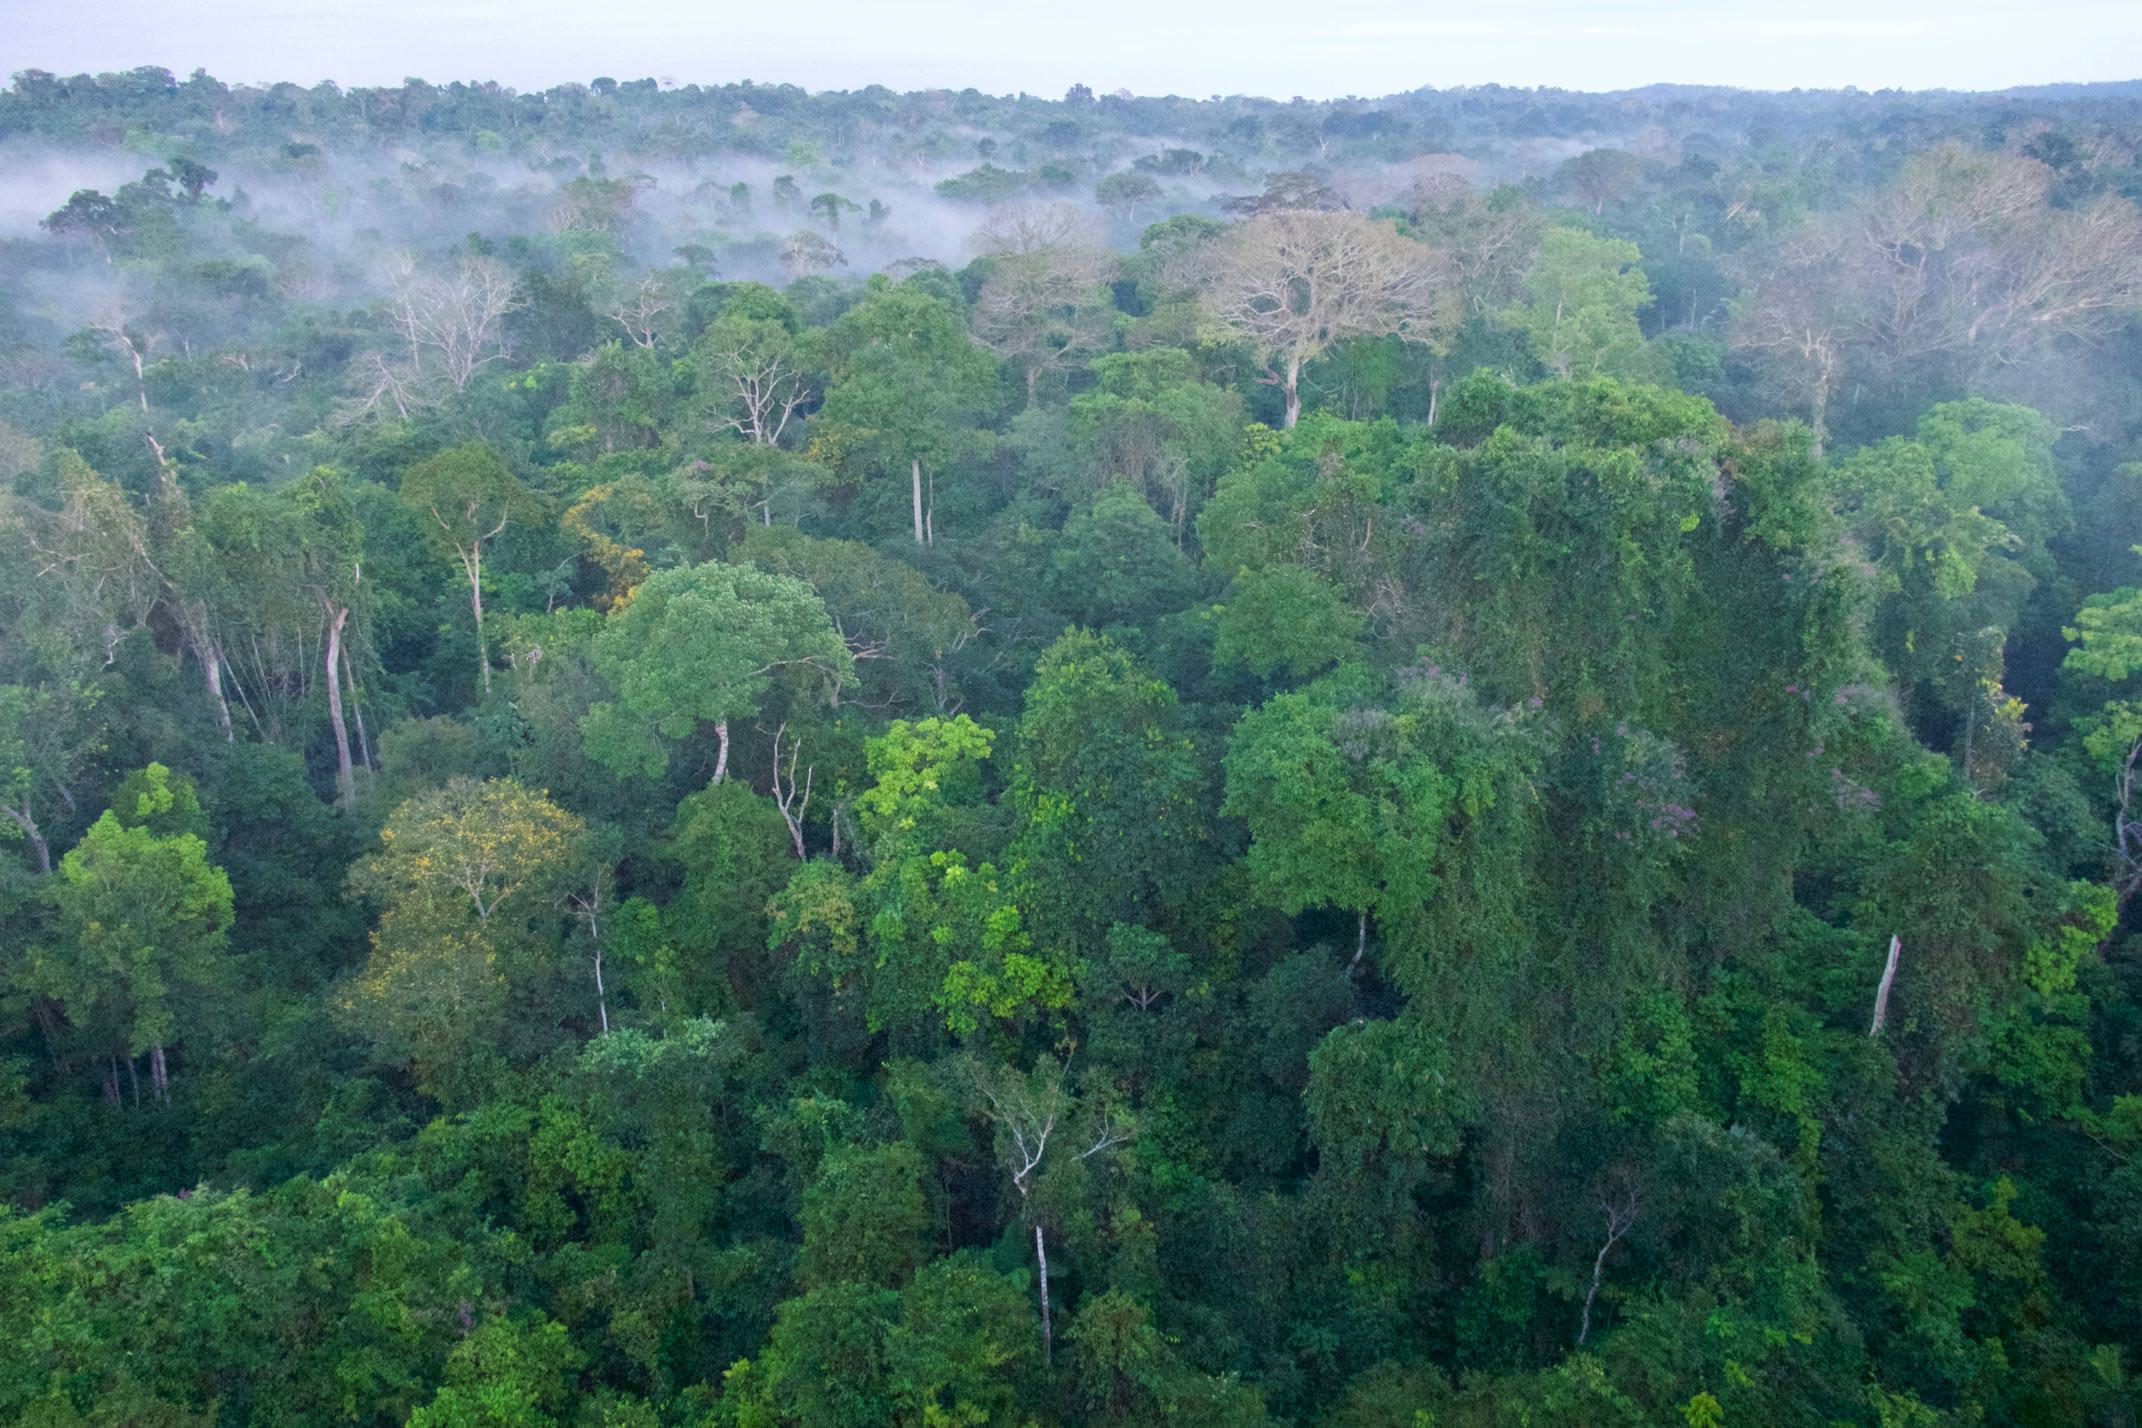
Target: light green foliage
167,804
141,921
1580,306
1955,519
2107,635
949,938
1356,803
704,644
505,1372
923,774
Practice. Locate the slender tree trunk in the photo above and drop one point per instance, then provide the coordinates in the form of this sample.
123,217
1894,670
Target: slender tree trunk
721,757
345,777
1889,977
349,682
1041,1258
212,675
483,656
602,1002
1293,390
133,1076
21,818
159,1074
1618,1224
1435,390
914,472
46,1011
345,780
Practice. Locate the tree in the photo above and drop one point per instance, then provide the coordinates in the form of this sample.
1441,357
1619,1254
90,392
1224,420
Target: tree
1954,519
907,389
468,498
2107,635
1352,803
142,919
830,206
963,1350
290,565
705,644
1793,315
1112,798
863,1218
1295,281
806,253
1601,176
1284,619
505,1372
1581,303
469,878
47,736
1031,1112
752,376
1122,193
1046,309
452,322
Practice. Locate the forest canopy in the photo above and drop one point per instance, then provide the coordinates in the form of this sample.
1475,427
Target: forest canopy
715,755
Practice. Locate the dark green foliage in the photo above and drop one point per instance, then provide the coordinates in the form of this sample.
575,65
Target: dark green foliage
828,880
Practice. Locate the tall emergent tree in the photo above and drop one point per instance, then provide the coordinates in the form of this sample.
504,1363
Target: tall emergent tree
1294,282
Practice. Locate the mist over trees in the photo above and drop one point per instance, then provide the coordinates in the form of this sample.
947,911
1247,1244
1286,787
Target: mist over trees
717,756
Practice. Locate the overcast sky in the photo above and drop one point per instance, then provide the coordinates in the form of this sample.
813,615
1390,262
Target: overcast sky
1279,48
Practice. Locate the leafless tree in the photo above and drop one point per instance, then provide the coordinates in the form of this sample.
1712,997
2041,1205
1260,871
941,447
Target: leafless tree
1296,281
793,801
640,308
1962,261
1046,309
1619,1206
453,321
806,253
1795,319
1491,239
1018,228
755,376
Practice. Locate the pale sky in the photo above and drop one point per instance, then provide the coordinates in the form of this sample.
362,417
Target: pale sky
1278,48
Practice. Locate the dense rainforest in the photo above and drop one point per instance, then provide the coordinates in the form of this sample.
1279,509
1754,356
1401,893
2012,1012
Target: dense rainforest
720,756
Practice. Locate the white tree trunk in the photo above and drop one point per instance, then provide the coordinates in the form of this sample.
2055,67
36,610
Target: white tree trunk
1041,1258
345,777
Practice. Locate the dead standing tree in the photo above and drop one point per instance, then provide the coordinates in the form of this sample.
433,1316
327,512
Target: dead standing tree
452,322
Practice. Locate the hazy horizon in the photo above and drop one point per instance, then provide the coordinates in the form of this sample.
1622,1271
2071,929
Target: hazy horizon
1256,47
